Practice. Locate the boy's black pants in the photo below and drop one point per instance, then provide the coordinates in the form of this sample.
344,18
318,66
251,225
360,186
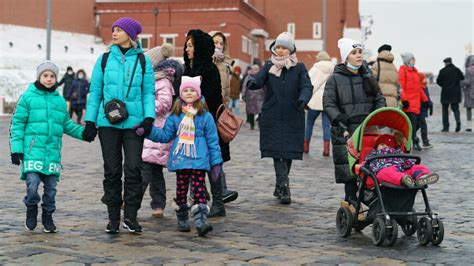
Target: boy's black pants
112,141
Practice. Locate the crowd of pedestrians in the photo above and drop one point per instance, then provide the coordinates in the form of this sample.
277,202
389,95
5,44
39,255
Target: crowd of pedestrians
151,112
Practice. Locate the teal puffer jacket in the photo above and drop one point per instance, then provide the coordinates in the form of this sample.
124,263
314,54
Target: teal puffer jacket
113,84
38,124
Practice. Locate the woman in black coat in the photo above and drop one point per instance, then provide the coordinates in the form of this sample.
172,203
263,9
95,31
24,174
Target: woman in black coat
198,51
351,93
282,121
78,94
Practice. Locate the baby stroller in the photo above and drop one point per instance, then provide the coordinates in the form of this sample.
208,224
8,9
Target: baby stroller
389,205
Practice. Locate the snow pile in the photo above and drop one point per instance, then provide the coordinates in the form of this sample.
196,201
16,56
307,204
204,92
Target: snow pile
18,62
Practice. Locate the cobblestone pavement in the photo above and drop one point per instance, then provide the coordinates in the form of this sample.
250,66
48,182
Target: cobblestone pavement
257,230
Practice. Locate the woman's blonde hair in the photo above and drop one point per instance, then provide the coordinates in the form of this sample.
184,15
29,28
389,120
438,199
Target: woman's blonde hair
199,105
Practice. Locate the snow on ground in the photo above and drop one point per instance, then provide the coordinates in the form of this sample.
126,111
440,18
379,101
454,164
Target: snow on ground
18,63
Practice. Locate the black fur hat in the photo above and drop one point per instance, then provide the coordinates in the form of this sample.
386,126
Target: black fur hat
385,47
203,49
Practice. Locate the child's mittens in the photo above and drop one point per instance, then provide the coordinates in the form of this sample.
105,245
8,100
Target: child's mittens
17,158
215,172
144,129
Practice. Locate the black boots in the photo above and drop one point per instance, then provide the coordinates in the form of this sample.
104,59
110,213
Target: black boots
48,223
200,212
113,227
182,215
285,194
217,208
31,217
227,195
458,126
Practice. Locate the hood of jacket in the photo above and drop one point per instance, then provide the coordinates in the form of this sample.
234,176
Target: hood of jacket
203,50
386,55
325,66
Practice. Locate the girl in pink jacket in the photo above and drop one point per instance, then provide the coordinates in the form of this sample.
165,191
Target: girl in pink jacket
155,155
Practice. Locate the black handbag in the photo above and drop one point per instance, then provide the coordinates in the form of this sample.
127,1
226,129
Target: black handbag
115,110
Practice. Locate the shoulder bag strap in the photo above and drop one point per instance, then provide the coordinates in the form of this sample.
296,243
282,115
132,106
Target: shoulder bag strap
133,75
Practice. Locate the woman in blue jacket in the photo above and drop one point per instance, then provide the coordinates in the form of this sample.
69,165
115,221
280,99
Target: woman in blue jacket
124,79
195,151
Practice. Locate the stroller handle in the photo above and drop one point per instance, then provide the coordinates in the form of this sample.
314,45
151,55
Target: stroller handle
384,156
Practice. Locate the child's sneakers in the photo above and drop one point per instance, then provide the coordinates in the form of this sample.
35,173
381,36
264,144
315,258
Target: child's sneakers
427,179
407,181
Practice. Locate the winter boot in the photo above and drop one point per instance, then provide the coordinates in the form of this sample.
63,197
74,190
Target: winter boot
458,126
285,194
326,146
217,208
200,212
306,146
227,195
182,215
416,145
130,220
426,144
277,192
469,126
31,217
113,227
47,221
427,179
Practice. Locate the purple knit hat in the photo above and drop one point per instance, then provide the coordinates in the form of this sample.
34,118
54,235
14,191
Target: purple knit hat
129,25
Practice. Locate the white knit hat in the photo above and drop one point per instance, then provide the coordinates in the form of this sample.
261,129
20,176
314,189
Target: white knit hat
346,46
47,66
160,53
287,40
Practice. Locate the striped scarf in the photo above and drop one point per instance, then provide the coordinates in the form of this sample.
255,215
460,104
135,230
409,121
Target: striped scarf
186,132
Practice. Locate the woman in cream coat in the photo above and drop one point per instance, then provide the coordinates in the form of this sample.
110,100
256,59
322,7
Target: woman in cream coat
319,74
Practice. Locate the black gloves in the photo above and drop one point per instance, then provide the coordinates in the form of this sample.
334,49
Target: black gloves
342,118
147,125
90,131
17,158
431,110
405,104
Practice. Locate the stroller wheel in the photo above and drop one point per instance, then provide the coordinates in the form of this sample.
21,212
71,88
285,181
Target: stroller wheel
409,227
378,231
392,233
344,222
438,231
424,231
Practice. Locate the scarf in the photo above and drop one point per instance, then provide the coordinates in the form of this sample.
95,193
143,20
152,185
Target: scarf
186,132
280,62
218,55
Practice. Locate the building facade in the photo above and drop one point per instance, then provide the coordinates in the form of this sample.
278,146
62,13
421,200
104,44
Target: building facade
250,25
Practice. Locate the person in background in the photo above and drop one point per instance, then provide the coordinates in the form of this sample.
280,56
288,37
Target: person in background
66,81
319,74
469,91
253,98
412,94
78,94
386,75
426,110
235,91
449,78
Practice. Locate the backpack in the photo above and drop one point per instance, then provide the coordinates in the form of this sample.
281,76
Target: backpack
141,56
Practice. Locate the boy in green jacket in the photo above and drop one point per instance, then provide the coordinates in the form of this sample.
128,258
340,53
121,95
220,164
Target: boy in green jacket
36,132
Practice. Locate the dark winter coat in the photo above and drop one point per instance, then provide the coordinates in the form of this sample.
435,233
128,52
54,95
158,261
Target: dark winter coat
282,118
203,66
426,106
449,78
344,96
78,93
67,81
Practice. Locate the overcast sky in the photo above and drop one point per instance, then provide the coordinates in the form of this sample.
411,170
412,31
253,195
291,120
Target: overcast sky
431,29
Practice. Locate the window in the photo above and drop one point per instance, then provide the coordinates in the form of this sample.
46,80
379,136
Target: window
291,28
145,40
169,38
317,30
255,51
245,44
